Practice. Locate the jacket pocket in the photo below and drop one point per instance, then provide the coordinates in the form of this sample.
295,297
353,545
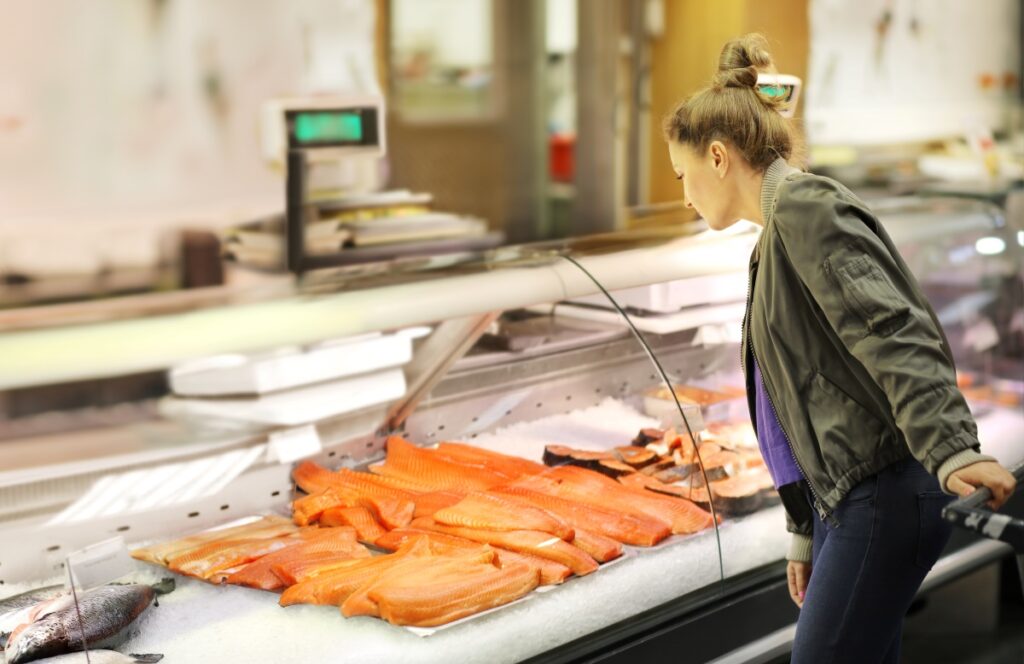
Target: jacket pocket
869,293
847,433
932,532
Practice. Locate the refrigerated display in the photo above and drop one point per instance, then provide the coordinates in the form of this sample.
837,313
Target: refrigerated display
519,351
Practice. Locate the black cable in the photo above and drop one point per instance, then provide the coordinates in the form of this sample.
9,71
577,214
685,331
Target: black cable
679,407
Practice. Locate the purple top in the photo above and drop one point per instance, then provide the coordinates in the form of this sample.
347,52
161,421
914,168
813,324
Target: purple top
770,438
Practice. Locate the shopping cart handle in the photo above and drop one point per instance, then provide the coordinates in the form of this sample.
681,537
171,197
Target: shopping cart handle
972,513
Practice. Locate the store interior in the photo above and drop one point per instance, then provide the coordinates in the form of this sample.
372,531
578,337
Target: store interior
306,278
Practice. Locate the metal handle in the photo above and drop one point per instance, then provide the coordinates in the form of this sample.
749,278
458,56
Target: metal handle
970,513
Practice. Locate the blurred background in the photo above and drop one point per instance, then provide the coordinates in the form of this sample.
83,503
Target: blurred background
130,129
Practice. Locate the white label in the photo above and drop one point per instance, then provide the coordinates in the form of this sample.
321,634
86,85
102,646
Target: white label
290,445
99,563
710,335
982,335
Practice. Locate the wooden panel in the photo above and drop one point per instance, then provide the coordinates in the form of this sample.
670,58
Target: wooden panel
685,58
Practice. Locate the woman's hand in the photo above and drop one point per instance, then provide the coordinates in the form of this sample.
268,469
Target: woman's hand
799,575
989,474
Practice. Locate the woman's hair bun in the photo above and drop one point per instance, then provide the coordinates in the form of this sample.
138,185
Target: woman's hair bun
742,60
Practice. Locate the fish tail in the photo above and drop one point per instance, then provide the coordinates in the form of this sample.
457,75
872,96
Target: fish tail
146,659
164,587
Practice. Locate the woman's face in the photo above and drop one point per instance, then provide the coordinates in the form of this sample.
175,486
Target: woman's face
706,185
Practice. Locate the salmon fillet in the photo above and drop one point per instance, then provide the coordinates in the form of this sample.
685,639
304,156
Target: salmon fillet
414,570
638,530
316,563
392,506
595,489
268,526
601,548
217,556
533,542
505,464
428,503
334,586
260,573
551,573
492,511
366,526
408,461
449,592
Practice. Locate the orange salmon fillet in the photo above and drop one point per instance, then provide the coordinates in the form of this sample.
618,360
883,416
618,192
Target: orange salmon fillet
428,503
407,461
359,603
551,573
638,530
533,542
601,548
268,526
260,573
446,592
505,464
207,560
367,527
334,586
492,511
596,489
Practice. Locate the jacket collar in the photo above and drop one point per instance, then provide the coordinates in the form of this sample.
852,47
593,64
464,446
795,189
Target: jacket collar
778,171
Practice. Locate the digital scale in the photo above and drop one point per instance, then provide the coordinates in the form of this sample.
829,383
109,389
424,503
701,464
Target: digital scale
303,132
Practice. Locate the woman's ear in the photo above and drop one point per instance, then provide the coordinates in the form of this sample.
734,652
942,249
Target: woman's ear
719,155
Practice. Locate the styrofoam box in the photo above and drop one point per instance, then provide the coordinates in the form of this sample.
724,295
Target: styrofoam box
302,405
285,369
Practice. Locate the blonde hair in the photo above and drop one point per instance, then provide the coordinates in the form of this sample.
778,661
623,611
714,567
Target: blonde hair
733,109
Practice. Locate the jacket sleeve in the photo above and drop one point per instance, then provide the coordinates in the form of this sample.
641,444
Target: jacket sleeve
876,308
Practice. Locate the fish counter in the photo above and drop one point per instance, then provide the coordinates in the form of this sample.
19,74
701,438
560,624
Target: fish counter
203,620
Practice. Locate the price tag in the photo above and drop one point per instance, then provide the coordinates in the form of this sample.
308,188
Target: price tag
99,563
290,445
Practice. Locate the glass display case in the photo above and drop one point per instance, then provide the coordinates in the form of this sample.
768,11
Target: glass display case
599,376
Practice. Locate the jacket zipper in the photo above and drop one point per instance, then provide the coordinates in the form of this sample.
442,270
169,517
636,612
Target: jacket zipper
823,512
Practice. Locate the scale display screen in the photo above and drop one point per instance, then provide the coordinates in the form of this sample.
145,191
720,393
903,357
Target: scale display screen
332,128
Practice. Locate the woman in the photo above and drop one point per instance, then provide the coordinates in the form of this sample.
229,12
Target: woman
850,380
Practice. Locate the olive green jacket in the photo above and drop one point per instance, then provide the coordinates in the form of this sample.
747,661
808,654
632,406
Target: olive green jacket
851,353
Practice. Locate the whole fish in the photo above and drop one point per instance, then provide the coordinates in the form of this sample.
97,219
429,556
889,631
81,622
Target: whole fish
106,612
101,657
33,605
13,608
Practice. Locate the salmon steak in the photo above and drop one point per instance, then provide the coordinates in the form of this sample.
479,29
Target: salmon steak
534,542
637,530
493,511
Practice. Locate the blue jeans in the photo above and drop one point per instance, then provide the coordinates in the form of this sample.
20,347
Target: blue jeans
866,571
